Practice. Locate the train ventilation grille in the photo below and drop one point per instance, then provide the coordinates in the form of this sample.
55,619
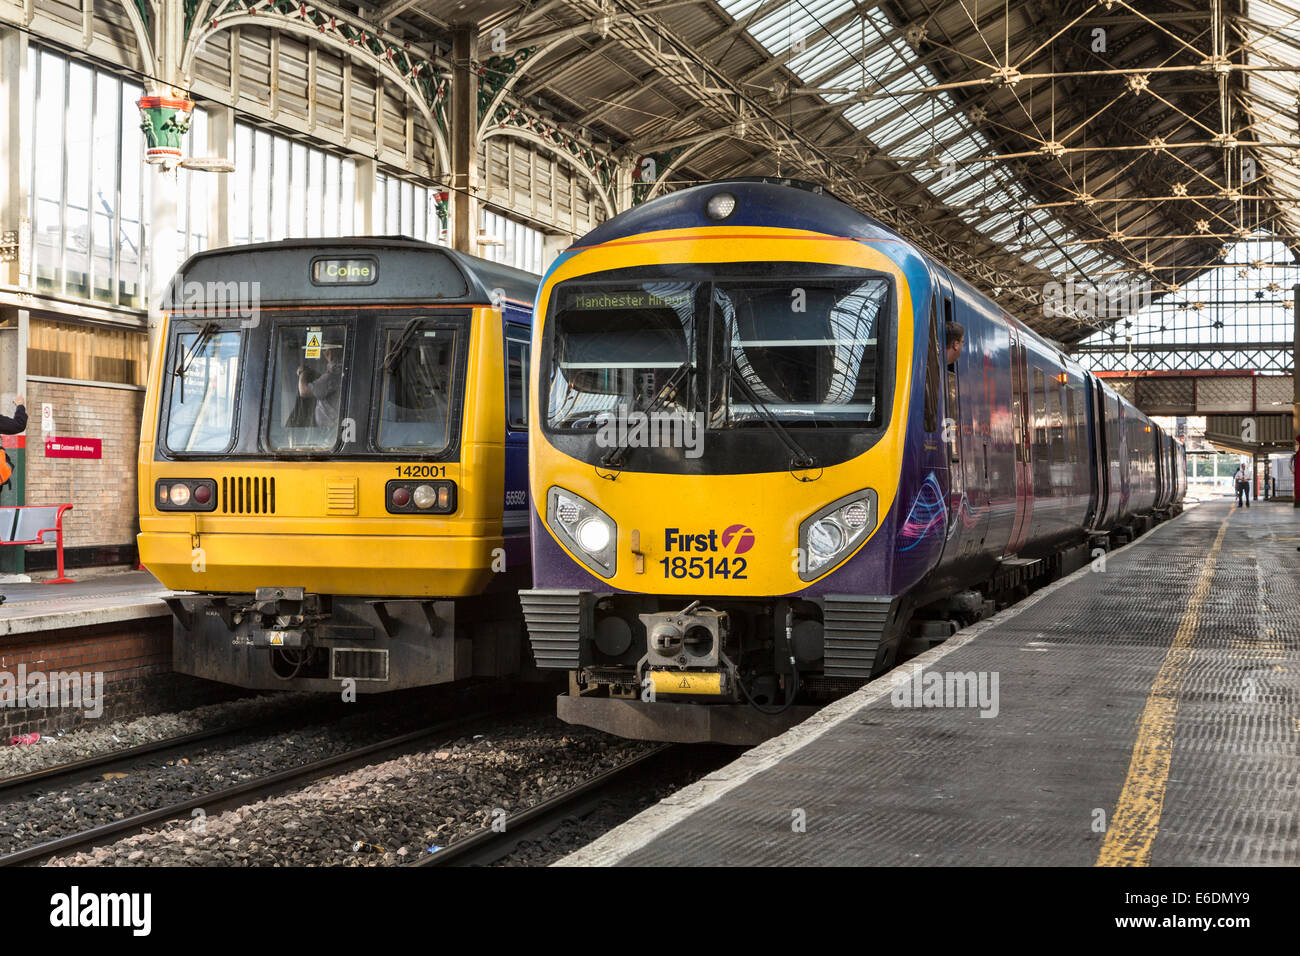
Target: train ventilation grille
358,663
248,496
341,496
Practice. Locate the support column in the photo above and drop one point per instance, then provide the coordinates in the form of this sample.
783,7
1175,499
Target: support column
221,142
623,185
363,200
552,246
13,219
13,192
163,242
463,123
1295,406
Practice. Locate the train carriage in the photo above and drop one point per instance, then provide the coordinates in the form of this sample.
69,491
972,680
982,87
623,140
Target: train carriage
759,465
333,464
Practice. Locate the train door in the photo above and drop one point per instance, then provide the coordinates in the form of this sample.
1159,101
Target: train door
1020,426
952,407
1100,471
1124,454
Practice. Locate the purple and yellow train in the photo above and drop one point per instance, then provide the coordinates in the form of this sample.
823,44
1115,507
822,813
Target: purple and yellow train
758,469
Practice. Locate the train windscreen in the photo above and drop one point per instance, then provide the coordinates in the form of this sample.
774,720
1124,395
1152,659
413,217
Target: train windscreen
204,381
802,352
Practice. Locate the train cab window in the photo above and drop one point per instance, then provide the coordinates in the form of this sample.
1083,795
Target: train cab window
306,387
625,347
801,350
517,384
415,404
203,383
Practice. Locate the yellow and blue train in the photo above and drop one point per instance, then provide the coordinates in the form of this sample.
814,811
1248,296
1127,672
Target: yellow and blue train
333,464
771,441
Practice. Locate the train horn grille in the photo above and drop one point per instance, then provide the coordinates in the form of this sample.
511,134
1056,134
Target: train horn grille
247,495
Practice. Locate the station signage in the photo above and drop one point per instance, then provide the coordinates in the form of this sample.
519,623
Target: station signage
73,448
354,271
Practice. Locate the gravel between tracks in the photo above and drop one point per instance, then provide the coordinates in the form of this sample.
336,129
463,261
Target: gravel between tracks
121,734
397,809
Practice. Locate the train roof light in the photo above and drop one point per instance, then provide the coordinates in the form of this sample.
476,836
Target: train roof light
720,206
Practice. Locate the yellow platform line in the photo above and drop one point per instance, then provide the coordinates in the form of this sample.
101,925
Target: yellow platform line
1137,815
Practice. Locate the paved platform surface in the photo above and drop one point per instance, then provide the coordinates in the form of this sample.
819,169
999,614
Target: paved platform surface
1147,714
99,599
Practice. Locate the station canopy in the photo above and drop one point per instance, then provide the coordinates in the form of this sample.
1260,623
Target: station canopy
1033,145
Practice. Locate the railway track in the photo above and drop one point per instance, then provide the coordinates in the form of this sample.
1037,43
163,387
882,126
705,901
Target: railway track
489,845
247,792
75,771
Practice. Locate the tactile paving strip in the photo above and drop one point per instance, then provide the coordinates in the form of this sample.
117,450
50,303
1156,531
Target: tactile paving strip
1039,783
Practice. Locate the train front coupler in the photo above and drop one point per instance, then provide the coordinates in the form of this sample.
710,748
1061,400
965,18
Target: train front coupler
684,658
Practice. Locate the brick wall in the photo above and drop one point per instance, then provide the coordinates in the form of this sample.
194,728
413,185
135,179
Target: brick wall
135,658
102,491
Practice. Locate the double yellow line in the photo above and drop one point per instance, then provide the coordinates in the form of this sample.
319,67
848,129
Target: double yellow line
1137,815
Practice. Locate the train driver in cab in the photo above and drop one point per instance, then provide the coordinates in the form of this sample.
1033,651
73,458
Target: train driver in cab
326,387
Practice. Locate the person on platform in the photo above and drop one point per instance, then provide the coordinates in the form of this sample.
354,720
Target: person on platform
12,426
18,424
1241,479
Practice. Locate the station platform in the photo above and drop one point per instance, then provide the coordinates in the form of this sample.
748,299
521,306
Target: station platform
98,598
1144,714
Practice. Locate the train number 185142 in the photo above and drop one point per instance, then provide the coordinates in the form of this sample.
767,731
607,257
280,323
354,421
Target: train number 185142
682,567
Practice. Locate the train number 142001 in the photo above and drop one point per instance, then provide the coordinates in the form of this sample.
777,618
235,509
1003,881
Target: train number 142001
421,471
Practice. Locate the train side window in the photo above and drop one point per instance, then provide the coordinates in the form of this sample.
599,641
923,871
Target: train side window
1057,433
517,352
1071,437
1040,414
933,371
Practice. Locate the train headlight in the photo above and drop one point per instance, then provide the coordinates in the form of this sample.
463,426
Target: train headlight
179,495
424,496
593,535
834,532
825,539
588,533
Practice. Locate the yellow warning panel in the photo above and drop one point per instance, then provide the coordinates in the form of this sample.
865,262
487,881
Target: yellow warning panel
687,682
312,349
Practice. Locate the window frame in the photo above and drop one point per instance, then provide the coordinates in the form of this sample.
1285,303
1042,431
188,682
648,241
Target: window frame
386,320
174,334
349,322
886,319
518,335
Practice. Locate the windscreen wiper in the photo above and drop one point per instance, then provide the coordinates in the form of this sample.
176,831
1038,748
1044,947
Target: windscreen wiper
398,348
614,457
205,333
802,460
